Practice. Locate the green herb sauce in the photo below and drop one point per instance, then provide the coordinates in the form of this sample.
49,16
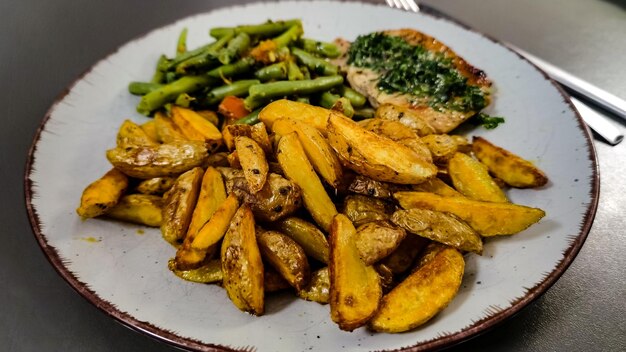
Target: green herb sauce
488,122
411,69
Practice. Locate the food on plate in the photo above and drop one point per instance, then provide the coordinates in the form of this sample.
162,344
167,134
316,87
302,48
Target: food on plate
275,162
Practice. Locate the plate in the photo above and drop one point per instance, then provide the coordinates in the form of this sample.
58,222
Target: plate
122,269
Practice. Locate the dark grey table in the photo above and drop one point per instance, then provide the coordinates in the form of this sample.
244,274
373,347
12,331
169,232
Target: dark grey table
45,45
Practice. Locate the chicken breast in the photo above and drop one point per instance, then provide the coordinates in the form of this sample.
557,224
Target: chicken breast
441,108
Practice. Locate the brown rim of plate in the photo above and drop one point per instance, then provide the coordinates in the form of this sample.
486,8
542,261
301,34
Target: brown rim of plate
494,317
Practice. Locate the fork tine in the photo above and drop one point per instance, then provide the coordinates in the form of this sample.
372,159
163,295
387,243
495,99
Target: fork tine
405,5
390,3
413,5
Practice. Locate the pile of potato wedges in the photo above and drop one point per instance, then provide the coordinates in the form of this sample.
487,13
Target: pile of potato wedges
373,217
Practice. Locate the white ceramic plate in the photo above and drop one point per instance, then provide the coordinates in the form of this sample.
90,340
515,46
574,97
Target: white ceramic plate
122,268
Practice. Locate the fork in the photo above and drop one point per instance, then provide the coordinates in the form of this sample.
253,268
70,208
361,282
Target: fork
597,122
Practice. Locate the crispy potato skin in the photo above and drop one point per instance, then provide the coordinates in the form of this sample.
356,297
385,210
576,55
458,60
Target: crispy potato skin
375,156
297,168
102,194
487,218
400,133
423,294
405,116
156,185
317,149
318,289
242,265
442,147
376,240
439,227
166,130
212,195
437,186
257,132
306,235
273,281
512,169
149,128
362,209
355,288
372,188
400,260
253,162
312,115
196,128
286,256
138,208
179,203
131,134
472,179
211,272
169,159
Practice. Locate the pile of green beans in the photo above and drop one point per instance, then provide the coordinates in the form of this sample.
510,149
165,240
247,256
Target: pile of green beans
258,63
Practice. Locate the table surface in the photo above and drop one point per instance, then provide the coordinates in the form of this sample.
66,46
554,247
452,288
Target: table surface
46,45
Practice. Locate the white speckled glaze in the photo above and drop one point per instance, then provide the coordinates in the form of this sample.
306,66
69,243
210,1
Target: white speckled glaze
123,268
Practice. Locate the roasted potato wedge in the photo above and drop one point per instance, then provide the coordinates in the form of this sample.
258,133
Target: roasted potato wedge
178,205
149,128
212,195
277,199
286,256
273,281
102,194
442,147
229,132
361,209
471,178
317,149
168,159
312,115
437,186
297,168
405,116
355,288
309,237
194,251
131,134
376,240
512,169
423,294
318,289
210,116
400,133
375,156
242,265
253,162
372,188
156,185
439,227
166,130
259,134
196,127
140,209
487,218
208,273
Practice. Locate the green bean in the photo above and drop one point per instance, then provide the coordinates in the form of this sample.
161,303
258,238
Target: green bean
315,64
242,66
236,47
336,102
159,73
186,56
364,113
289,36
237,88
181,44
293,71
303,99
320,48
264,30
184,100
204,58
275,71
356,99
328,99
157,98
261,93
250,119
142,88
170,77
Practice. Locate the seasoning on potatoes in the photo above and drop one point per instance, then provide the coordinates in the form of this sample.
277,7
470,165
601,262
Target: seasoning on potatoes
487,218
156,185
102,194
286,256
318,289
241,264
306,235
158,160
196,127
423,294
361,209
471,178
376,240
439,227
298,169
140,209
355,289
253,162
375,156
210,272
512,169
131,134
178,205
